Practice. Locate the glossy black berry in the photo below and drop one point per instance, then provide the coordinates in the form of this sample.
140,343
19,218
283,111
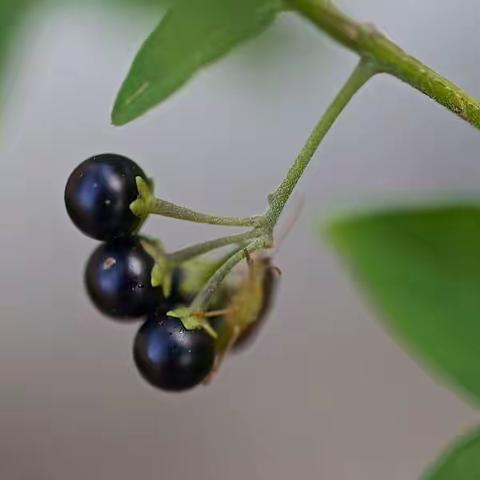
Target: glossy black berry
118,279
99,193
170,357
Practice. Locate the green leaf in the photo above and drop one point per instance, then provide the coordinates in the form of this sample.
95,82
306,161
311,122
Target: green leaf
12,13
460,462
421,268
192,34
138,3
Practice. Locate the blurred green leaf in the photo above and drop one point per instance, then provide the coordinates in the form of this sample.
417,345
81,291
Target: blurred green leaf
421,268
192,34
11,15
460,462
138,3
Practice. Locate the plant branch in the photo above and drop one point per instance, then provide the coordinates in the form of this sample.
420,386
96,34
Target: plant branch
362,73
371,44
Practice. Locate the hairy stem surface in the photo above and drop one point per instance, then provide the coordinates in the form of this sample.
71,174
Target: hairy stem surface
168,209
205,247
364,71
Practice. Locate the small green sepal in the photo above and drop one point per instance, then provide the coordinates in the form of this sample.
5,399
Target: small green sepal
161,275
162,271
191,321
140,206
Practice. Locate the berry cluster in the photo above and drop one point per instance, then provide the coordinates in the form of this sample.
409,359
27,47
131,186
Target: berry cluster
118,279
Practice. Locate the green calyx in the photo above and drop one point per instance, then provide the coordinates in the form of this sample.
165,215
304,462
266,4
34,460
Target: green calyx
141,206
192,321
162,271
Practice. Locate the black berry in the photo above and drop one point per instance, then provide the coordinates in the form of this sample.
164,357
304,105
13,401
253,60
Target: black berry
118,279
170,357
99,193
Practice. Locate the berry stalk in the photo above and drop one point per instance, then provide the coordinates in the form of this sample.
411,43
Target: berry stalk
167,209
204,296
146,203
201,248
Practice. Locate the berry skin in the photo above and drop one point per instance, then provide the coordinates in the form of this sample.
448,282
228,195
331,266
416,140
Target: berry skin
98,195
170,357
118,280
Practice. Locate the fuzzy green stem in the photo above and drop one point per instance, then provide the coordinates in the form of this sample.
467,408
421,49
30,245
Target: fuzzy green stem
203,297
205,247
262,235
371,44
362,73
167,209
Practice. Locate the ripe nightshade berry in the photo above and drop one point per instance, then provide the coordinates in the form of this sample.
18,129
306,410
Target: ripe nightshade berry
118,279
98,195
170,357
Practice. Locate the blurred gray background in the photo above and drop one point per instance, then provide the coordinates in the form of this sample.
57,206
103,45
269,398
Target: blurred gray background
325,392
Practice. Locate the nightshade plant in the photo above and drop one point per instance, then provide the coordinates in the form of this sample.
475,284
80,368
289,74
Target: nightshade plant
420,266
